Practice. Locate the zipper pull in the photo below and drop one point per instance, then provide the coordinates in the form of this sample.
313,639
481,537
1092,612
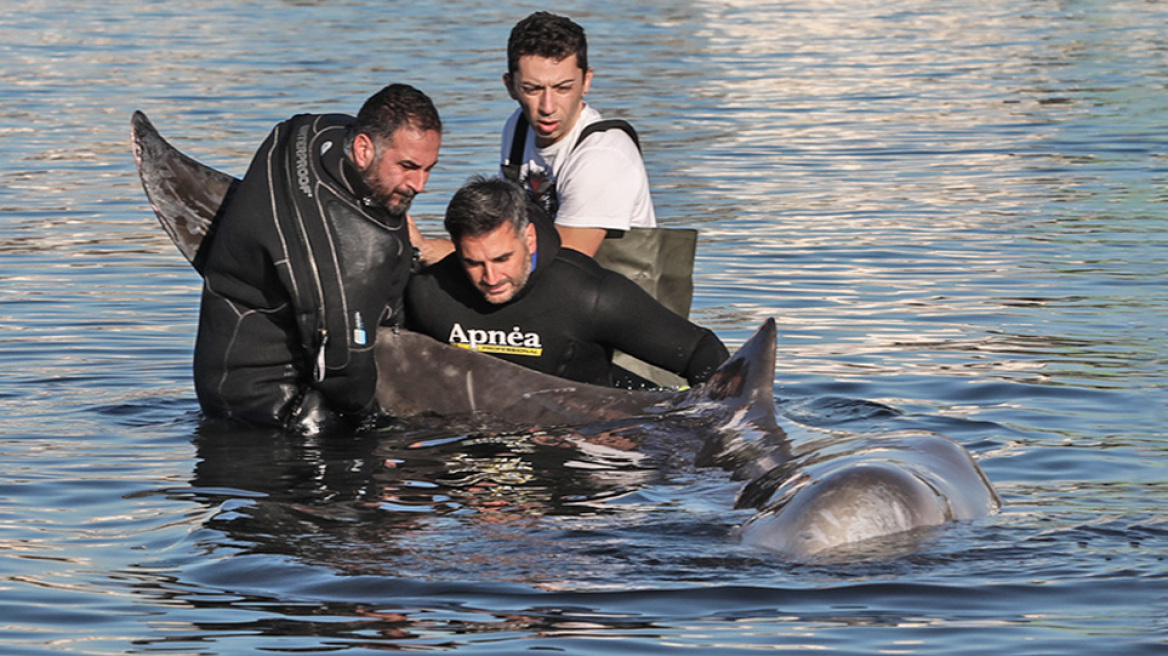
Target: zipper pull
318,370
359,335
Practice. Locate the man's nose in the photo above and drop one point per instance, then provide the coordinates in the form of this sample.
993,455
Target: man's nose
547,102
491,275
416,180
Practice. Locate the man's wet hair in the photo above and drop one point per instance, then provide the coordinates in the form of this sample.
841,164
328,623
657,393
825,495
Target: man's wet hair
544,34
396,106
485,203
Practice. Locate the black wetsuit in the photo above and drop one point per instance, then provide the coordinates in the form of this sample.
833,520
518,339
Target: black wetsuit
566,321
302,269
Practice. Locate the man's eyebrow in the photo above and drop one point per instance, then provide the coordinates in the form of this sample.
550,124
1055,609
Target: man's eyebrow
498,258
567,82
408,162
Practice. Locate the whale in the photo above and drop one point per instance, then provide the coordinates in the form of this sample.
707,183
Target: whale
830,497
853,491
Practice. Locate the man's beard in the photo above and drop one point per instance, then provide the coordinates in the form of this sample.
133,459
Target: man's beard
518,284
396,204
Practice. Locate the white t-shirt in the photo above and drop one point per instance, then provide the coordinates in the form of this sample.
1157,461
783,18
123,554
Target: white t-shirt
601,183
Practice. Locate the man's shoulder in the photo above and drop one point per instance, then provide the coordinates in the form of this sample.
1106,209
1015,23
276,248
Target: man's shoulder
311,127
439,290
574,267
434,284
447,267
599,137
509,127
578,261
321,121
512,120
600,164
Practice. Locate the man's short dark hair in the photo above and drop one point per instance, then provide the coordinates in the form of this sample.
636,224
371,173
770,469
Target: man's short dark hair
394,107
546,35
485,203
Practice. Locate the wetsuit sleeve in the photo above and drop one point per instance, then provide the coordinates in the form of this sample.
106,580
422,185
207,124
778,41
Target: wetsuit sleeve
710,354
629,319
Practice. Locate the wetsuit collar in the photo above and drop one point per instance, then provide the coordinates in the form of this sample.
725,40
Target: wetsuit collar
351,177
547,246
353,180
547,242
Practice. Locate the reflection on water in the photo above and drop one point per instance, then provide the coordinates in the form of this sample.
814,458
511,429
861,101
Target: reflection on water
401,505
447,501
954,210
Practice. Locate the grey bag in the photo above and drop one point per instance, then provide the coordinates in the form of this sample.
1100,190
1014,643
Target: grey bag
660,261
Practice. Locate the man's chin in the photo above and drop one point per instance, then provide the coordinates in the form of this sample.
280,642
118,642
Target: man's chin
397,208
498,299
401,206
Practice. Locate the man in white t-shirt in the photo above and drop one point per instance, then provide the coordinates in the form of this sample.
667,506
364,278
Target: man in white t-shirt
590,187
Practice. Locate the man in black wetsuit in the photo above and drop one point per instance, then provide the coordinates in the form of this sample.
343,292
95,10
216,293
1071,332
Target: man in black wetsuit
510,290
308,256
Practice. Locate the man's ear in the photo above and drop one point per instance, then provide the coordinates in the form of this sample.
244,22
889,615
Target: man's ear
587,80
364,151
510,89
529,238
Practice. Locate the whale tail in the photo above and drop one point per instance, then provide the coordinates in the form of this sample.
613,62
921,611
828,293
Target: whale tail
185,194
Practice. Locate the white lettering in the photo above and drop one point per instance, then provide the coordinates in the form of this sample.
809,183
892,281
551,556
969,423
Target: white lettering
457,335
302,178
477,337
515,338
515,342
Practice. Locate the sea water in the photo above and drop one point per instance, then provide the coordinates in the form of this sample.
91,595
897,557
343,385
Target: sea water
954,210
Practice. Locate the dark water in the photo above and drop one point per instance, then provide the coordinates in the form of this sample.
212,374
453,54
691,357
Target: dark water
955,211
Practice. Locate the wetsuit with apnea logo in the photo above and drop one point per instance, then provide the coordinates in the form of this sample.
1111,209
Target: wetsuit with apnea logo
566,321
302,268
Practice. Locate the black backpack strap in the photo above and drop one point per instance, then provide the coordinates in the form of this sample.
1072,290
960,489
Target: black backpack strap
519,140
608,124
515,160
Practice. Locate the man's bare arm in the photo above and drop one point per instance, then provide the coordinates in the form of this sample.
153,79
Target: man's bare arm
585,240
431,249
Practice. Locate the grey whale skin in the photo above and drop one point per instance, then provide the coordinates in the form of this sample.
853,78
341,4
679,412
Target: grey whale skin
835,496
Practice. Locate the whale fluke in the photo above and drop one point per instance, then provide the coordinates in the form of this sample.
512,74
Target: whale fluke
185,194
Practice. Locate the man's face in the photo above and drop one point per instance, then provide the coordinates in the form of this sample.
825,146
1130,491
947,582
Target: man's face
499,262
397,170
551,94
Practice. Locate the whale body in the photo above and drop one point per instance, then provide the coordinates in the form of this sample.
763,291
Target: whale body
859,489
847,493
879,486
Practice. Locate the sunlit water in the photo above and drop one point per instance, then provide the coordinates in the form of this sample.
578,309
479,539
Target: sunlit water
955,211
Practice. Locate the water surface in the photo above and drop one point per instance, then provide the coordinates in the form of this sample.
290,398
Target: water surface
954,210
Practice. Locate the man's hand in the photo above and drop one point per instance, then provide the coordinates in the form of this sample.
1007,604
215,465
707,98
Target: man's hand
430,249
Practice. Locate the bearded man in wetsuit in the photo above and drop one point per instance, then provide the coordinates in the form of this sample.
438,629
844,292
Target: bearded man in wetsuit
309,254
511,291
